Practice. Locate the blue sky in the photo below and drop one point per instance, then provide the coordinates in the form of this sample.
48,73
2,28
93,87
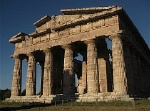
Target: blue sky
19,16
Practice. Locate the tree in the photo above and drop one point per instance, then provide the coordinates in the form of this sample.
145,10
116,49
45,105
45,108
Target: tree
5,94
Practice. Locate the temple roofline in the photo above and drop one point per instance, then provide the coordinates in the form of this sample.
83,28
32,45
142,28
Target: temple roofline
42,20
18,37
87,10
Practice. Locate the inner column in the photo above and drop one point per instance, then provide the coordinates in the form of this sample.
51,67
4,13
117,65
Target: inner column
31,76
48,69
103,65
92,73
69,77
84,73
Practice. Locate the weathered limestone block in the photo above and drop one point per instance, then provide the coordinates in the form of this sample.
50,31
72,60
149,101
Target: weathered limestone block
29,42
20,45
98,24
48,73
64,33
86,27
31,76
92,74
23,44
84,76
16,82
16,45
75,30
45,38
119,72
36,40
80,87
53,35
69,77
102,74
110,21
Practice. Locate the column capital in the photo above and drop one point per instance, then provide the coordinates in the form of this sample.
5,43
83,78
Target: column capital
119,69
67,46
16,82
117,35
31,74
15,56
91,41
47,50
30,54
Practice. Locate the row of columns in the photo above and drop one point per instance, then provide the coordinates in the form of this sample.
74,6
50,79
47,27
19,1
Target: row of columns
137,69
89,71
97,75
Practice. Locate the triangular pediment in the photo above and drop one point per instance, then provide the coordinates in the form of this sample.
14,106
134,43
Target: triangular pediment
73,17
18,38
42,20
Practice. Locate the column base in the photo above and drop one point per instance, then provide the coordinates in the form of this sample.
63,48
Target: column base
36,98
108,96
42,99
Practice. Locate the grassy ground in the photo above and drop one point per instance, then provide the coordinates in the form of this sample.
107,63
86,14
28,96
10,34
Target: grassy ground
139,105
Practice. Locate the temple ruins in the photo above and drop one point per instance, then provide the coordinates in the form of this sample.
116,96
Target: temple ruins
116,71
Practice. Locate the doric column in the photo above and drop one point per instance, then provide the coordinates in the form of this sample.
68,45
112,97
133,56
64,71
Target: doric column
16,82
69,77
92,74
83,80
105,83
135,72
119,73
148,76
48,70
84,76
102,74
140,76
31,76
42,74
129,69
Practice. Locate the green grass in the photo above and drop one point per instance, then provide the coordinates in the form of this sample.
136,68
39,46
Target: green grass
137,105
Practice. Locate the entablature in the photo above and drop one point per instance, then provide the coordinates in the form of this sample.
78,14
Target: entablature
86,10
18,38
42,21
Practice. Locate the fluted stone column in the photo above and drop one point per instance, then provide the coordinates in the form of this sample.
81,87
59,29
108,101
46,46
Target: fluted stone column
135,71
92,73
31,76
16,82
102,74
119,72
103,66
48,70
140,76
84,76
42,74
83,80
69,77
129,69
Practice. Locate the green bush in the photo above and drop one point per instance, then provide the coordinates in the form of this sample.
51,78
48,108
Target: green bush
5,94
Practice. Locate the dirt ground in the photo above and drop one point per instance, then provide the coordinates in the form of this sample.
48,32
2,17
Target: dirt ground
89,108
141,105
80,108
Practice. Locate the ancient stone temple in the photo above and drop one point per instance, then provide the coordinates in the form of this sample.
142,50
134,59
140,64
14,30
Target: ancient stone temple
114,59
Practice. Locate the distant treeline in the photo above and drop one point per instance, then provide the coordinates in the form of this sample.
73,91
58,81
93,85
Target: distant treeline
5,93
